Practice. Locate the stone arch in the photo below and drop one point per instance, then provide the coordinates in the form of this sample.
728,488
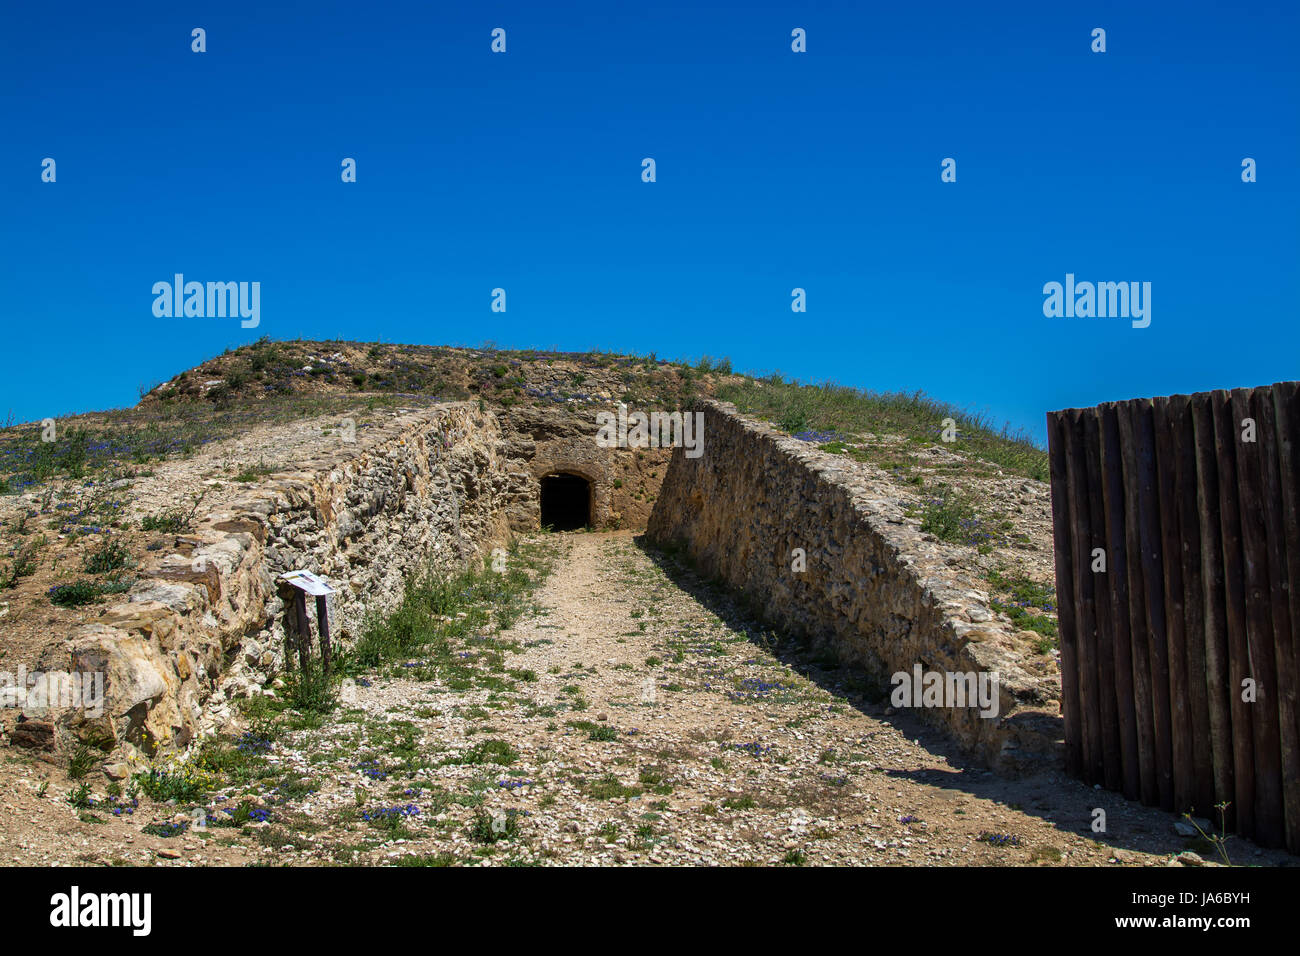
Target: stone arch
593,471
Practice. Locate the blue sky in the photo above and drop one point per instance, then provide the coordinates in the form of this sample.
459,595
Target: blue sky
775,170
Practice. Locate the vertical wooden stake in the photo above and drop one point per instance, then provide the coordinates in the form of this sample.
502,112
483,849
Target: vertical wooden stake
304,631
323,625
1063,536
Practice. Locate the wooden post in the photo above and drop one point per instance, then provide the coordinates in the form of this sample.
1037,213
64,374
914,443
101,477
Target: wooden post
1280,612
1062,533
1141,651
1226,435
1153,576
323,626
1084,596
304,631
1112,464
1286,412
1112,766
1171,548
1259,627
290,628
1214,608
1198,702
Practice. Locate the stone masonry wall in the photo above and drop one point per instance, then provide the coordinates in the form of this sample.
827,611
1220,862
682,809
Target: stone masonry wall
541,441
875,592
204,622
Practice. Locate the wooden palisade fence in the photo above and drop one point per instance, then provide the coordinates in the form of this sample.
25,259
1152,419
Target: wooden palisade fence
1180,660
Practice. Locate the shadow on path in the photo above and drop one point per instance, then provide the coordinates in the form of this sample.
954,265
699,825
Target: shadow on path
1066,803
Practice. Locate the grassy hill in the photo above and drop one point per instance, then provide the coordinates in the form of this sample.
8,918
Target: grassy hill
272,381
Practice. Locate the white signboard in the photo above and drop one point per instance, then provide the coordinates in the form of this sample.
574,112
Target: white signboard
313,584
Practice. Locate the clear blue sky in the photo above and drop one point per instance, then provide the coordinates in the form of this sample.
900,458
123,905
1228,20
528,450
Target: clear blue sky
775,170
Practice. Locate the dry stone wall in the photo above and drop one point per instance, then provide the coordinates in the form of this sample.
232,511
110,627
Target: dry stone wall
204,622
875,593
542,441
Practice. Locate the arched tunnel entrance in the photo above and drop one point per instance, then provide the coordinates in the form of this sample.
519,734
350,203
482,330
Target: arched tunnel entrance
566,501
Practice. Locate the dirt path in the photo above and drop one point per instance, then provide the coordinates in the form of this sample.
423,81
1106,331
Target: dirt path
631,718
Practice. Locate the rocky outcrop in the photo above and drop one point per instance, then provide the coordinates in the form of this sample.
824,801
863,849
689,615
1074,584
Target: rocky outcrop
204,622
819,545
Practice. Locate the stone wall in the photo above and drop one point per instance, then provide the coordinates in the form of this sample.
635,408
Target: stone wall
542,441
875,592
204,621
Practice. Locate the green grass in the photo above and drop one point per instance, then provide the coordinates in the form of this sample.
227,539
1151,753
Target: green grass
608,831
487,751
428,859
952,518
1025,594
241,815
312,691
164,829
81,762
173,520
250,473
84,592
488,828
609,787
109,556
595,731
845,410
655,780
104,442
23,565
184,785
1021,588
439,611
224,758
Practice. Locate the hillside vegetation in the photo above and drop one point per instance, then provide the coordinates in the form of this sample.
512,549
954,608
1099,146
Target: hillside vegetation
829,412
278,382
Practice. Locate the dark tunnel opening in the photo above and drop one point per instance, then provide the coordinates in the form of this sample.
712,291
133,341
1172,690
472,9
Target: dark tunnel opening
566,502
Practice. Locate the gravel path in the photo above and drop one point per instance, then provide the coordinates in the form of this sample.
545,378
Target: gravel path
637,720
